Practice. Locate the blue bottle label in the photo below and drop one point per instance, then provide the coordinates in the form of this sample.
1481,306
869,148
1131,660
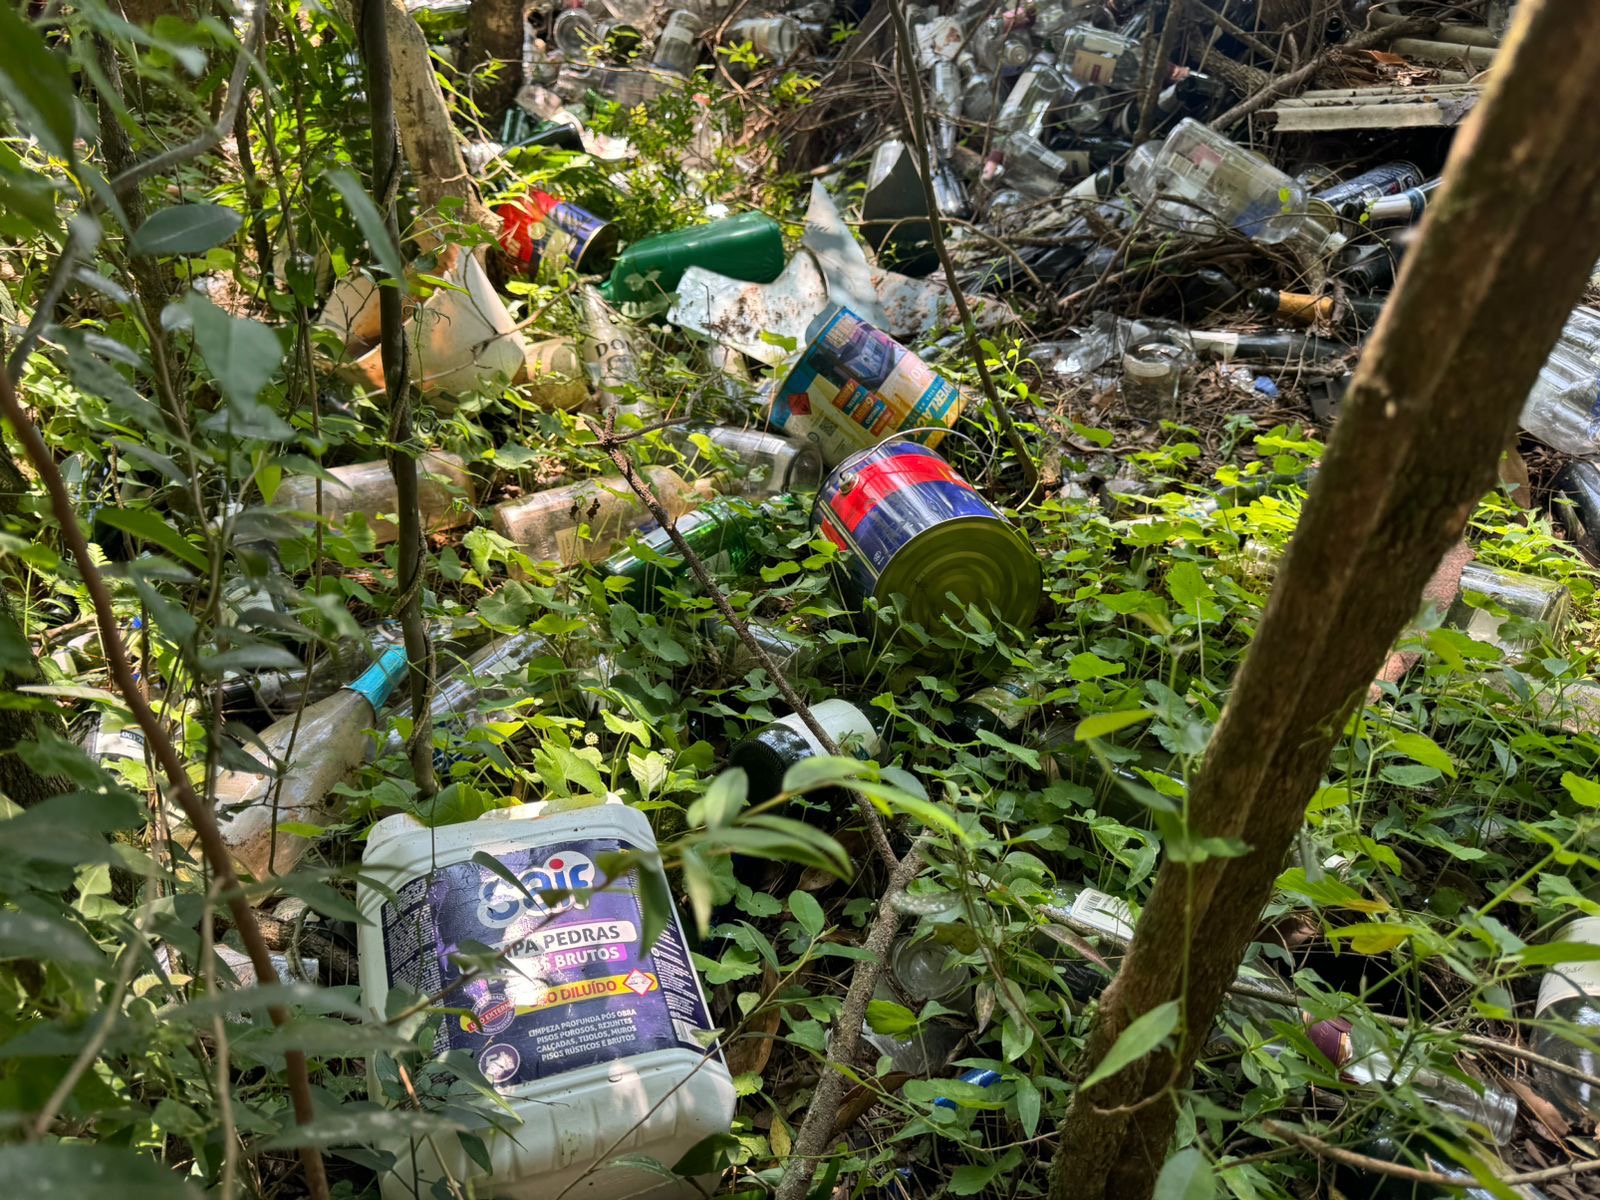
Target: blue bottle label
378,680
575,990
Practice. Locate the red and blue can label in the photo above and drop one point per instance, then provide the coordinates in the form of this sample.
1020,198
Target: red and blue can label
540,227
878,501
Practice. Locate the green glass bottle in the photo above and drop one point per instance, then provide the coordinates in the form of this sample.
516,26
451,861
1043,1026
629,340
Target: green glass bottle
748,247
719,533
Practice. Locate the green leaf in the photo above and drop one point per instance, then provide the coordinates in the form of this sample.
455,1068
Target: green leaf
242,354
1088,666
1583,791
147,525
185,229
887,1017
1423,749
35,82
1548,954
721,801
1188,587
372,224
1102,724
808,913
1137,1040
971,1179
655,904
49,939
1186,1176
86,1169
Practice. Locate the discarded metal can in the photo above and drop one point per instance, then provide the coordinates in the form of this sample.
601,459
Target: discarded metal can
1351,198
909,525
855,385
539,228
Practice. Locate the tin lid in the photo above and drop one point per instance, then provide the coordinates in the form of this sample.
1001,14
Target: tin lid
982,561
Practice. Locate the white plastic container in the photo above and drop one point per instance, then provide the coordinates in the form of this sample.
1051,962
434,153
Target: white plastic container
600,1052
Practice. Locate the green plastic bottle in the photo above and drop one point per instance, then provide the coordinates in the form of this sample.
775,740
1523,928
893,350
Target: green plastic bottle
748,247
719,533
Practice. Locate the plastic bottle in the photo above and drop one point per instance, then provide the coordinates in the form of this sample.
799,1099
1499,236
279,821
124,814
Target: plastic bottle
1568,1012
764,464
768,753
444,495
748,246
330,739
1563,408
277,693
591,1043
718,532
583,522
1361,1053
1225,184
496,674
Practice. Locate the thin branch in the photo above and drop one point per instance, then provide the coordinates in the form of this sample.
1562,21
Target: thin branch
411,554
209,137
1369,40
1378,1166
199,813
811,1141
646,494
1156,68
919,138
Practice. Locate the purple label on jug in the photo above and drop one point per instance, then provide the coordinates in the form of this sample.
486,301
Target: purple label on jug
574,989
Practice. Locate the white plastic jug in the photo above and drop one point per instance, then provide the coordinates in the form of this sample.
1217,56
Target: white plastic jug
601,1052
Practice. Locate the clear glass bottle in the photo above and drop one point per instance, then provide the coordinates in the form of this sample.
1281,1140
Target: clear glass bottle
678,46
1036,90
1092,55
763,464
1085,107
977,88
1216,182
1568,1012
775,38
550,525
608,355
944,96
789,653
919,972
768,753
1000,45
329,739
444,495
1542,601
1152,375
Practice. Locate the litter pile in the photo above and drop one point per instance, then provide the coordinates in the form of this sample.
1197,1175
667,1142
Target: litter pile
962,527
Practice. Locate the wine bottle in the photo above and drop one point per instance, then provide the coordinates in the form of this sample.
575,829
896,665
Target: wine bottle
718,533
329,740
1001,708
768,753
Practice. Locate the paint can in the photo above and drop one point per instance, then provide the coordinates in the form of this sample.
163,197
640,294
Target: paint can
854,386
908,524
539,229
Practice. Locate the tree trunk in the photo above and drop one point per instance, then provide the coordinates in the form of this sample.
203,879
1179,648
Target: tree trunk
427,133
494,38
1503,256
